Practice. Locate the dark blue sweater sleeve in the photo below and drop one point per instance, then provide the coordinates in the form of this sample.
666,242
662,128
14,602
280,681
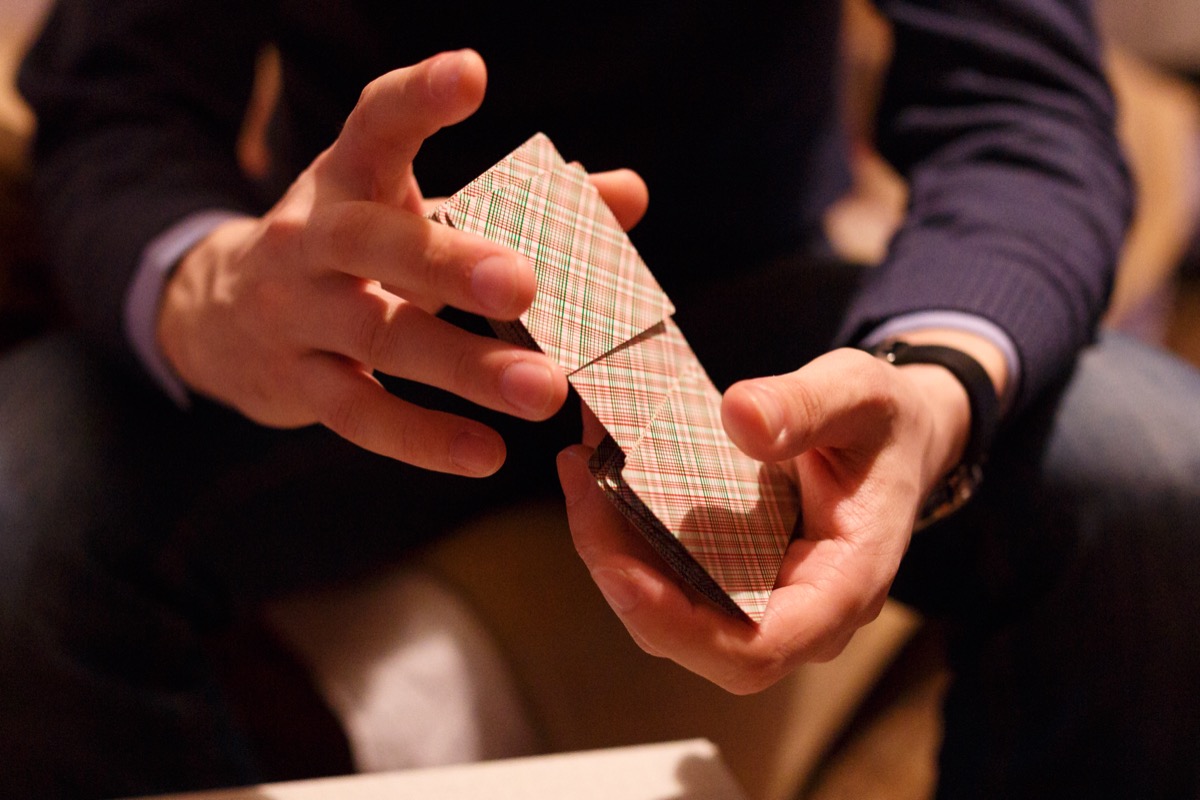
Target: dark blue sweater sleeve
139,104
999,115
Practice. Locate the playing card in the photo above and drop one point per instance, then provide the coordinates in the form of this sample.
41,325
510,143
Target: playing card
721,519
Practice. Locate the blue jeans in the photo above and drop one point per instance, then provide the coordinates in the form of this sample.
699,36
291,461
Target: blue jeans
1072,589
132,531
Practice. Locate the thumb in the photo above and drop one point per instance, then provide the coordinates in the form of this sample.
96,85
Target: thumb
822,404
372,157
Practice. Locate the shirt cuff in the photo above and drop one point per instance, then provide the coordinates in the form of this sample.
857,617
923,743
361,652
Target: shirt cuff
144,294
959,321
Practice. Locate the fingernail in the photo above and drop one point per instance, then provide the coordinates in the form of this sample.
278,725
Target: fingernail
475,454
528,386
444,75
620,592
494,285
769,407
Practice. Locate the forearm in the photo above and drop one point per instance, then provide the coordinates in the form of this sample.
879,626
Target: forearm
1019,195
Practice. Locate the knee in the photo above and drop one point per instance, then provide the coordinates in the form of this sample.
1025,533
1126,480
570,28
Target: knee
1127,429
74,434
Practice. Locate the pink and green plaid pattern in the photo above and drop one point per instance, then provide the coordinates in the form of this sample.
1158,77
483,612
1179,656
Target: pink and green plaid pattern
721,519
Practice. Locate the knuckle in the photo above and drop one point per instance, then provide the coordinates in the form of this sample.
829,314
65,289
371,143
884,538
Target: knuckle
281,232
339,227
438,267
374,338
365,108
806,403
466,369
831,650
373,118
844,599
344,414
754,673
847,607
746,684
269,302
351,222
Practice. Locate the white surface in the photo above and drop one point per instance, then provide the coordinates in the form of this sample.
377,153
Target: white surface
410,671
686,770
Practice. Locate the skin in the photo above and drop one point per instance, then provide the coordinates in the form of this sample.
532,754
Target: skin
287,317
866,440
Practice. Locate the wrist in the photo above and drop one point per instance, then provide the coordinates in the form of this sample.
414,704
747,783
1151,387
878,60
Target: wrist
949,412
188,294
982,350
936,368
144,295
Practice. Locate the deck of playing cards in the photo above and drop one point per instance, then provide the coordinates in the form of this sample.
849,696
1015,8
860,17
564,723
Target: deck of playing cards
721,519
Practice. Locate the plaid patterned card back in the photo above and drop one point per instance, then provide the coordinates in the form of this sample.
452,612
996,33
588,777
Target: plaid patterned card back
533,158
628,387
721,519
594,292
733,515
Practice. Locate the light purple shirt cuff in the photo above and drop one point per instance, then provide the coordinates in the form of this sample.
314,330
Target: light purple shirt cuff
960,321
145,293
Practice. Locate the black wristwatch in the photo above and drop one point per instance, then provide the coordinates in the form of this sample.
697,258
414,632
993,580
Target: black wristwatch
960,483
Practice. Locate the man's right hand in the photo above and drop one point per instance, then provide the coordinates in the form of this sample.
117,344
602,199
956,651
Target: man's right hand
286,317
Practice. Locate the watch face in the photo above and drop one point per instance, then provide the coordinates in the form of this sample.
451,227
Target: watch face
950,495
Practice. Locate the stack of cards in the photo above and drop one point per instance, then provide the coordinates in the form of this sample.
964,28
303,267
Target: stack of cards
720,518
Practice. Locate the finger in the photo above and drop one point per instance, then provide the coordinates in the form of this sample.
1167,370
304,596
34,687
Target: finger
355,406
818,604
840,637
400,339
372,158
419,258
821,404
825,591
662,617
593,430
625,194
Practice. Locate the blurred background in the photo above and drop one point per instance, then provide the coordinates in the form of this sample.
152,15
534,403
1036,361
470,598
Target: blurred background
1153,50
1154,58
18,18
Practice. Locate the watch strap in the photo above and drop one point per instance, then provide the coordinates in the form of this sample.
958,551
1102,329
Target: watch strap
960,483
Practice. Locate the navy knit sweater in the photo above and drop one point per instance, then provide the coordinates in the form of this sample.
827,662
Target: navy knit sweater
995,110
